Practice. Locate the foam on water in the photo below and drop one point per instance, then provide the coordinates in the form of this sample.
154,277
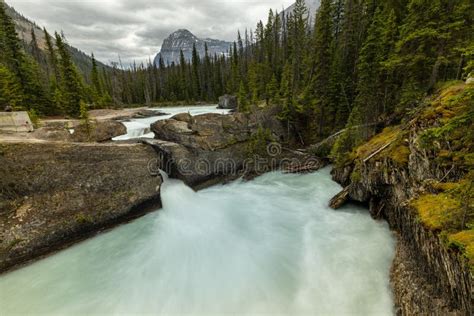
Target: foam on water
270,246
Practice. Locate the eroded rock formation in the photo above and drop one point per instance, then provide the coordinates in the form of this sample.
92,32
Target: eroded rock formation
52,194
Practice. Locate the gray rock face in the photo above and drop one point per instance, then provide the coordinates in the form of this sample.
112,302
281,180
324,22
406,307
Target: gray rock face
228,102
183,40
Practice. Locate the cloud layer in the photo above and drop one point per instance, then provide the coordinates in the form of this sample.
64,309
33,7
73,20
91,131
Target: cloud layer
135,29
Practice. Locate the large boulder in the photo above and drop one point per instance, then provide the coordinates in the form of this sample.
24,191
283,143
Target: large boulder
211,148
52,194
98,131
228,102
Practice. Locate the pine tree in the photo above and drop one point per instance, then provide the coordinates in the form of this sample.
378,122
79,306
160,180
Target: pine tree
23,68
10,90
207,69
99,96
288,111
389,80
242,96
297,40
352,34
52,57
183,70
196,80
96,83
369,99
253,80
70,93
273,90
35,50
317,92
432,37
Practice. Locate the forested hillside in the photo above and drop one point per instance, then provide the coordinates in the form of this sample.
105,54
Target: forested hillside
41,73
25,29
360,64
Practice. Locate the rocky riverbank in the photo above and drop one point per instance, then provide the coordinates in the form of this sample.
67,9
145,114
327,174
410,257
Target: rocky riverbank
425,194
56,192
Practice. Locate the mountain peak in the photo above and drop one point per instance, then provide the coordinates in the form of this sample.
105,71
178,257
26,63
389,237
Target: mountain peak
182,33
184,40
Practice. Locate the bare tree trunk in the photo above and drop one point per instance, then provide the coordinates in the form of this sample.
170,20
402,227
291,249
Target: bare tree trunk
435,70
460,67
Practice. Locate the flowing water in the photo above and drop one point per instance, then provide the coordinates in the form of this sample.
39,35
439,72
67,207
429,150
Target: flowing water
270,246
141,127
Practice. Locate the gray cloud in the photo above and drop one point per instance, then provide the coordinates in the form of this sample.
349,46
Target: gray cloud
135,29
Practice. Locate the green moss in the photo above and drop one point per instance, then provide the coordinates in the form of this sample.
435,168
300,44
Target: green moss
398,151
375,143
464,241
451,141
451,213
436,210
356,176
400,154
82,218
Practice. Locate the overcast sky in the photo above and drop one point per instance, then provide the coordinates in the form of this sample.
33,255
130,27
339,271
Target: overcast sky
135,29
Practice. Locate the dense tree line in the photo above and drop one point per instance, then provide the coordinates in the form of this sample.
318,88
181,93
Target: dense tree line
45,81
356,63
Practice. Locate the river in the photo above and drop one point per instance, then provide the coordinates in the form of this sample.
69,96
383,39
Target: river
141,127
270,246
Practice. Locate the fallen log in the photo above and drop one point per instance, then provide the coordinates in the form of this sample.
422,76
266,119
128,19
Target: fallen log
378,151
340,199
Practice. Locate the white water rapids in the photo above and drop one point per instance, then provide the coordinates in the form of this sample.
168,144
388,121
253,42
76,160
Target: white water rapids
141,127
270,246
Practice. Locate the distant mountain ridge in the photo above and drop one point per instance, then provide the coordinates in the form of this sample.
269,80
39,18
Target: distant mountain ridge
184,40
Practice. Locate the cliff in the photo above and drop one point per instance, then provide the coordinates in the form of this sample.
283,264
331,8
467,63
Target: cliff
53,194
419,177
